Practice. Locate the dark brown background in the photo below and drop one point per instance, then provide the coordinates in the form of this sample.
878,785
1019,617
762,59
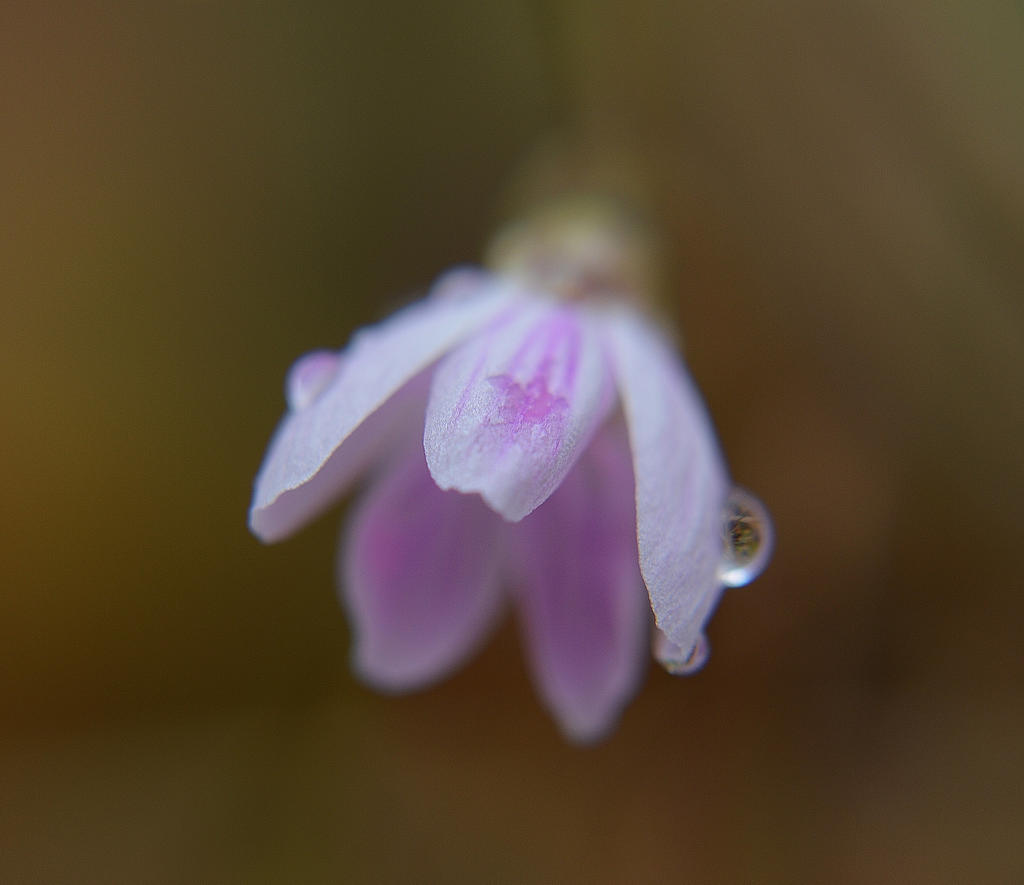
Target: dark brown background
195,193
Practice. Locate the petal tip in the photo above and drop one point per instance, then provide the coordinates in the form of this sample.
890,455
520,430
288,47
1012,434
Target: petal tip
388,676
587,730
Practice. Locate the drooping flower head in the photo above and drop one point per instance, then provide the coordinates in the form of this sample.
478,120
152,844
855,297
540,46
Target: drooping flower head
528,437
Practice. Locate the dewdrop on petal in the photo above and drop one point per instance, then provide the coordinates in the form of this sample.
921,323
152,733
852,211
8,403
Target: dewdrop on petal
309,377
676,661
747,539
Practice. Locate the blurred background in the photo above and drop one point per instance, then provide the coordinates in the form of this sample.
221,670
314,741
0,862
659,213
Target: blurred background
195,193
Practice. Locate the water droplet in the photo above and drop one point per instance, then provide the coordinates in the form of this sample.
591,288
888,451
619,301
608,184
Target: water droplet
675,660
747,539
308,377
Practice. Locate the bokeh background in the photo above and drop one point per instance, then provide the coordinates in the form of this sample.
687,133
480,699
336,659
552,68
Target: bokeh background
194,193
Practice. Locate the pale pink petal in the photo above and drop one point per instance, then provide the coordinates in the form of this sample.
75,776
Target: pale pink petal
419,574
306,466
681,479
511,409
585,613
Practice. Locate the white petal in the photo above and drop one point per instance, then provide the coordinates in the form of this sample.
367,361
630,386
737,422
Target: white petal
681,479
318,449
511,409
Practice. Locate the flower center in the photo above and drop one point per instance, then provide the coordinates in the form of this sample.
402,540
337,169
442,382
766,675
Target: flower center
578,250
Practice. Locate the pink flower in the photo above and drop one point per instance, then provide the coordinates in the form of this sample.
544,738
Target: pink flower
519,446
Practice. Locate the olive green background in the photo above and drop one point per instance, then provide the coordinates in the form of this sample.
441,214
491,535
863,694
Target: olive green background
194,193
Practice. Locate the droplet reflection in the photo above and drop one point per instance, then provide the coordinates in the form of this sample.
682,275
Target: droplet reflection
747,539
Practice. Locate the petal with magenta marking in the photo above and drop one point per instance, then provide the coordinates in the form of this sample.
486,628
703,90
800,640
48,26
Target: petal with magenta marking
512,408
